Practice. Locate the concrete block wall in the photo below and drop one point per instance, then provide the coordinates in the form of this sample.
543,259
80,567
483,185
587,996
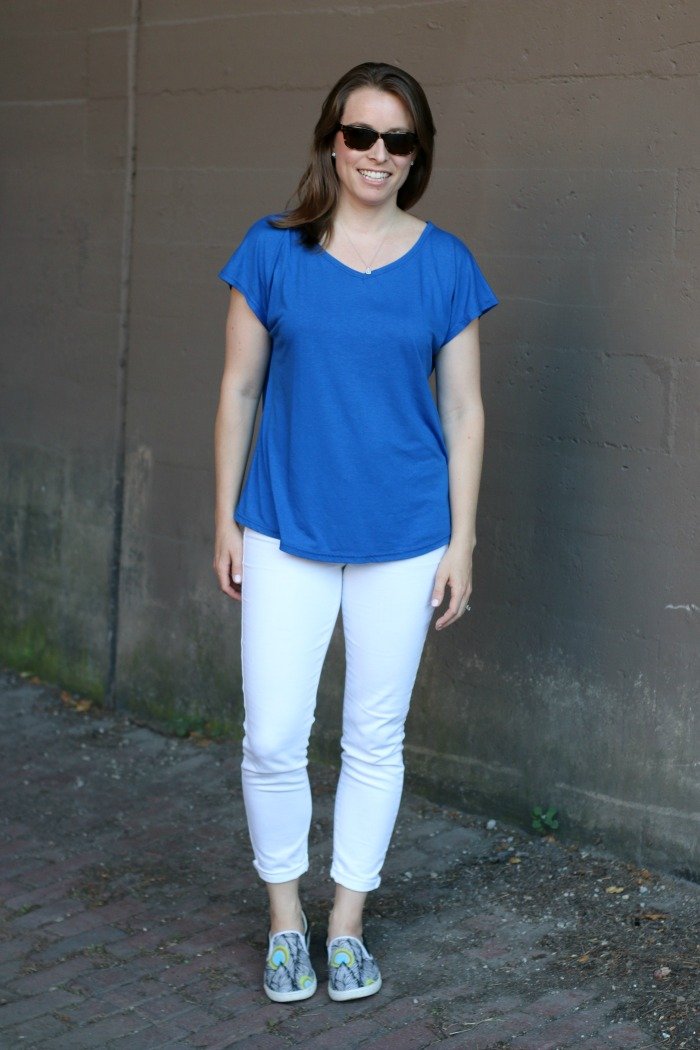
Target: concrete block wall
567,158
63,183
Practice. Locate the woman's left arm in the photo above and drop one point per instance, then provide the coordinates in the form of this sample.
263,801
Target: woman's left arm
458,373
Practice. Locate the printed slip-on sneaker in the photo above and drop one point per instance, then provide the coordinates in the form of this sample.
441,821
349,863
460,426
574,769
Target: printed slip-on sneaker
352,971
289,975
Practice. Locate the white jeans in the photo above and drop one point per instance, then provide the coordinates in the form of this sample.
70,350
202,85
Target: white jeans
290,606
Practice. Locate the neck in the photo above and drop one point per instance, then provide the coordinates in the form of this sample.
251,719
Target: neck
364,219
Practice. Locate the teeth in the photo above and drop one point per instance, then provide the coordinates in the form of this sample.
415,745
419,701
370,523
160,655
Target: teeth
377,176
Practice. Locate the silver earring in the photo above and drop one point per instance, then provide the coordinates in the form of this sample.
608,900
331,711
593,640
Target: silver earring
333,154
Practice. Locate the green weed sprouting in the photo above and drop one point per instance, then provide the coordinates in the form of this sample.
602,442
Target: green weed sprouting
544,820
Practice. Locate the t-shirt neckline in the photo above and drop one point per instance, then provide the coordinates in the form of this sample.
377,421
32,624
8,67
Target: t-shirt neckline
387,266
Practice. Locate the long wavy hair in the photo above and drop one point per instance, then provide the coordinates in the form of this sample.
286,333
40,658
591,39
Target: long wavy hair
317,192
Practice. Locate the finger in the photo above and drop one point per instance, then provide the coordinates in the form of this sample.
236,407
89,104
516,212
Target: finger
456,608
237,575
449,616
228,588
223,573
438,590
237,580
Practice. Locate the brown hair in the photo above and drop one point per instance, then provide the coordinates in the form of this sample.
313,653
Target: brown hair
317,192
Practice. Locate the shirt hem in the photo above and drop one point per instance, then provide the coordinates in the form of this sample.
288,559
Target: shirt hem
252,304
459,327
345,559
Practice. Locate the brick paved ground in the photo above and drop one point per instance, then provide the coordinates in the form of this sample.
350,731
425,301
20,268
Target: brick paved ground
131,917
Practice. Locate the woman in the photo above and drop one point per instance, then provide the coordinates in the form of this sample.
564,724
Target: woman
361,495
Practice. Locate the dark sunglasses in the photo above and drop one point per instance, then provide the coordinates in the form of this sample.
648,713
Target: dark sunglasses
400,143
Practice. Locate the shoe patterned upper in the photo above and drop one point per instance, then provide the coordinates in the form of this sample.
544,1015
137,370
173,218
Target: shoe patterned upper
288,966
350,965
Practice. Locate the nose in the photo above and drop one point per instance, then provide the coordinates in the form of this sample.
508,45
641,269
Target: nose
378,151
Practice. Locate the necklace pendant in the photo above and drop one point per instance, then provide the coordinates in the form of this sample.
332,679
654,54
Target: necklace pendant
368,270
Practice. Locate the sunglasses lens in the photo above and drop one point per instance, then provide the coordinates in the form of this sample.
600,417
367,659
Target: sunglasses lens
359,138
400,143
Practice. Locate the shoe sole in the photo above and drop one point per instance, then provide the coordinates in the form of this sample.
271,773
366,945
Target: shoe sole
354,993
290,997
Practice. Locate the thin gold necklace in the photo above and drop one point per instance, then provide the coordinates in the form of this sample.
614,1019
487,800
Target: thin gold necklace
367,265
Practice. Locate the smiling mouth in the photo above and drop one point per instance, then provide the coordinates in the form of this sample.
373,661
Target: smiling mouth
373,176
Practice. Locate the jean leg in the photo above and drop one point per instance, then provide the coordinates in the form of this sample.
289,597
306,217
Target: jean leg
289,608
386,615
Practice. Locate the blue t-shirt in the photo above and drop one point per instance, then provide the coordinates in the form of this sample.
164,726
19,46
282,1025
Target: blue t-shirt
350,463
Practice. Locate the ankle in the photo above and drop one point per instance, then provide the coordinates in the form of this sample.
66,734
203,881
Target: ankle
343,925
286,917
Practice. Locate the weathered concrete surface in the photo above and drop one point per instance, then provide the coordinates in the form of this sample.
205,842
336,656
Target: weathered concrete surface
62,176
567,158
131,915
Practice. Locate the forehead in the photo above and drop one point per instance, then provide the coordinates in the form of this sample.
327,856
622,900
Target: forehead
381,109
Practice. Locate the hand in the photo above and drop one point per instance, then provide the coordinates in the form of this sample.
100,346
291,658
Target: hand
455,571
228,559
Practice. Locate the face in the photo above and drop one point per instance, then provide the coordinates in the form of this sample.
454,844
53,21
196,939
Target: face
375,176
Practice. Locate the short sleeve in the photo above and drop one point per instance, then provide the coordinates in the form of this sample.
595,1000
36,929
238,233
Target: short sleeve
472,296
251,266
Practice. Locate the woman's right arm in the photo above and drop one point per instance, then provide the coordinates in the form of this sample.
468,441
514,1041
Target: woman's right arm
247,355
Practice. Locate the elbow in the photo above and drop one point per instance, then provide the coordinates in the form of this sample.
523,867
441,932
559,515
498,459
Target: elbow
238,387
467,413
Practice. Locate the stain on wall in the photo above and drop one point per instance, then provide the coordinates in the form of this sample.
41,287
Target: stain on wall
567,158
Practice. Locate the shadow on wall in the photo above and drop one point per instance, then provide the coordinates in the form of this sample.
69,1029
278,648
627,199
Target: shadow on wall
584,414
